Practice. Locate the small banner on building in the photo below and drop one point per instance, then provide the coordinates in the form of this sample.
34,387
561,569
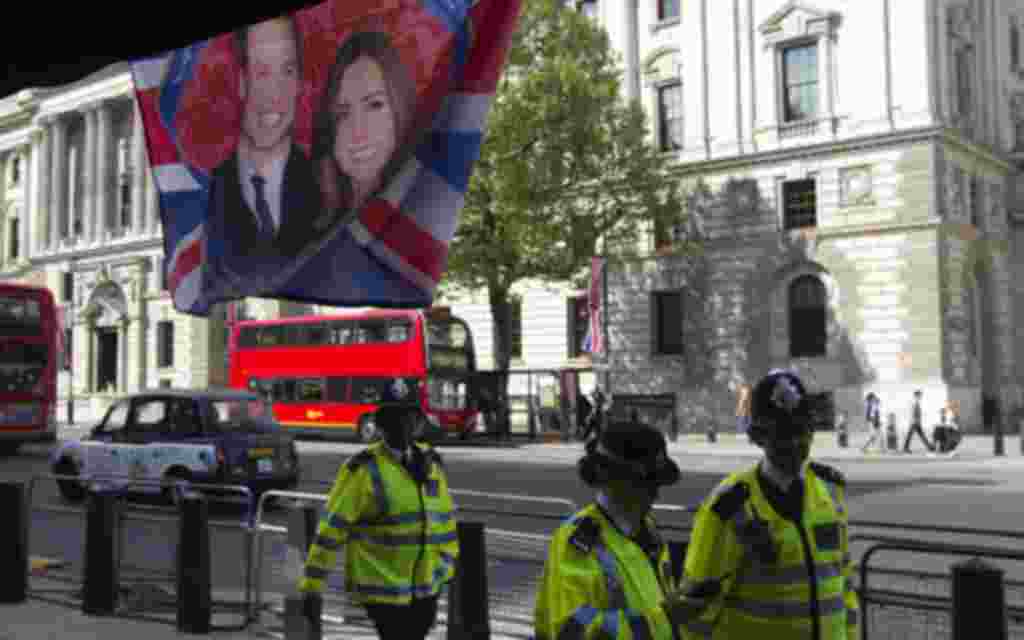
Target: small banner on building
594,340
322,156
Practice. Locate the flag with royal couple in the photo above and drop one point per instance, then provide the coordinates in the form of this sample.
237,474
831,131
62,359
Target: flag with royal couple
321,156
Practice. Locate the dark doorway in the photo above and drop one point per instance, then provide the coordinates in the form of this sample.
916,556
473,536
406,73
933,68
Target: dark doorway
106,361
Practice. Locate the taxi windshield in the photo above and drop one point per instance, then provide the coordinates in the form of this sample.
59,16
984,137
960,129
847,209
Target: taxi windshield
243,414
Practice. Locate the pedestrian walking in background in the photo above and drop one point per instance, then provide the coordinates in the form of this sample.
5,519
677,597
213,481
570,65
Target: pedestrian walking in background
391,510
583,411
598,410
873,417
608,572
743,409
775,537
916,419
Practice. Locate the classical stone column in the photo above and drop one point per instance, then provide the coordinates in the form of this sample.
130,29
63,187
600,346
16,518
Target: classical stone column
89,177
152,204
58,179
104,178
138,151
40,216
27,215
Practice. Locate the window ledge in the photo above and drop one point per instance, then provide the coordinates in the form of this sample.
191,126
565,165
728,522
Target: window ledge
808,127
665,24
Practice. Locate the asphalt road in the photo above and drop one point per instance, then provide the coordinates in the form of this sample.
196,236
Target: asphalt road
150,533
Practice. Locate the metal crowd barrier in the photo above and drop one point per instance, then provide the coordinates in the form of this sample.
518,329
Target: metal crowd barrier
145,585
924,604
512,547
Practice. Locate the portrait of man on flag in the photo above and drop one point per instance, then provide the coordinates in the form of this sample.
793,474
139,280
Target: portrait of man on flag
321,156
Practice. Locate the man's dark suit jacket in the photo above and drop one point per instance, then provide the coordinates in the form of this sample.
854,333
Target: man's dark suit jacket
301,203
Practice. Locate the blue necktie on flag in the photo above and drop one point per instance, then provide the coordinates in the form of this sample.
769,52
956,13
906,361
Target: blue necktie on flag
593,342
388,249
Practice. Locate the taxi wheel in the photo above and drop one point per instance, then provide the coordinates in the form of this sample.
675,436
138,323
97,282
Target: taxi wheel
367,429
71,490
9,448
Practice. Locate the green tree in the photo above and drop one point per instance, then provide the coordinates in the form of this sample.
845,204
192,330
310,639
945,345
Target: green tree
566,161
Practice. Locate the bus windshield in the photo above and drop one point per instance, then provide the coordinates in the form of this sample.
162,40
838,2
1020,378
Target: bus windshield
20,316
450,346
21,365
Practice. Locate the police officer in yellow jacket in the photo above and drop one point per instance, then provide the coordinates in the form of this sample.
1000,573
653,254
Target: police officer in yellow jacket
391,510
776,535
608,573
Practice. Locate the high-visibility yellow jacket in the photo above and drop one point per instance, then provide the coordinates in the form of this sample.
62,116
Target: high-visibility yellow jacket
598,581
781,581
399,536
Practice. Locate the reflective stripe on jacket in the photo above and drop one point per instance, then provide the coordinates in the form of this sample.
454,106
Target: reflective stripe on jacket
776,572
392,552
609,591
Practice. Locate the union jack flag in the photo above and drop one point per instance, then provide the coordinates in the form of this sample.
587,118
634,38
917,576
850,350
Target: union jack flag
395,250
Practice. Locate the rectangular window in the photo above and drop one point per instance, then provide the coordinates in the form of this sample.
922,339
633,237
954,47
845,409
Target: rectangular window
309,390
975,199
15,248
800,82
799,204
963,81
372,331
668,322
515,351
165,343
337,389
68,286
668,10
68,349
670,116
1014,47
125,204
579,319
342,332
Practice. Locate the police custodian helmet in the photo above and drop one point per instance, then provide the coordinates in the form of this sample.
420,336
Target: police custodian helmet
779,407
398,396
630,450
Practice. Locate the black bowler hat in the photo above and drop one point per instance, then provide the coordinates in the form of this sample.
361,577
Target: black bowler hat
635,450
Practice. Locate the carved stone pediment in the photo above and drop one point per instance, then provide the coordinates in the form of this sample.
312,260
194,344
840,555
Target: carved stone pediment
107,306
795,19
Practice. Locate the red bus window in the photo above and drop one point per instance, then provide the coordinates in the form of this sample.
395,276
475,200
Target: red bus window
399,331
337,389
342,332
371,331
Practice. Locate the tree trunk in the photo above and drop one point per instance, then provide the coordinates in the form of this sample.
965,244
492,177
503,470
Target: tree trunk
501,318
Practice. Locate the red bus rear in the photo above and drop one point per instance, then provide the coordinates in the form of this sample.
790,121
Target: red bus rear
28,366
324,373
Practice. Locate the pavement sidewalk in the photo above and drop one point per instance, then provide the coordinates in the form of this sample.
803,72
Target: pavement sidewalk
940,505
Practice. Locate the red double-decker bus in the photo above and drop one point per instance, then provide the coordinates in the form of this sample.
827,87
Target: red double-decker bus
324,373
29,356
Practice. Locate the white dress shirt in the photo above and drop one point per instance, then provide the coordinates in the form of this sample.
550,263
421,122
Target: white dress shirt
272,190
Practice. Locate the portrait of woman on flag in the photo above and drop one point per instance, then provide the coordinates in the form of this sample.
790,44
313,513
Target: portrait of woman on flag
321,156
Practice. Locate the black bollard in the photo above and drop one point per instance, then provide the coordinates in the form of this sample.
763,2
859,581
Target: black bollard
302,613
195,602
13,544
468,596
100,579
979,601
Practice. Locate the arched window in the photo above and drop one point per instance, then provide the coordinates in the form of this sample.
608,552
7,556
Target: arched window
807,335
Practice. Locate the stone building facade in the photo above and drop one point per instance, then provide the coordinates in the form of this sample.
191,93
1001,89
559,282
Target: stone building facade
853,170
79,215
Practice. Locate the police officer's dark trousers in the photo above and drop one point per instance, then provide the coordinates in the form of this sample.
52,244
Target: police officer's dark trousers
401,622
